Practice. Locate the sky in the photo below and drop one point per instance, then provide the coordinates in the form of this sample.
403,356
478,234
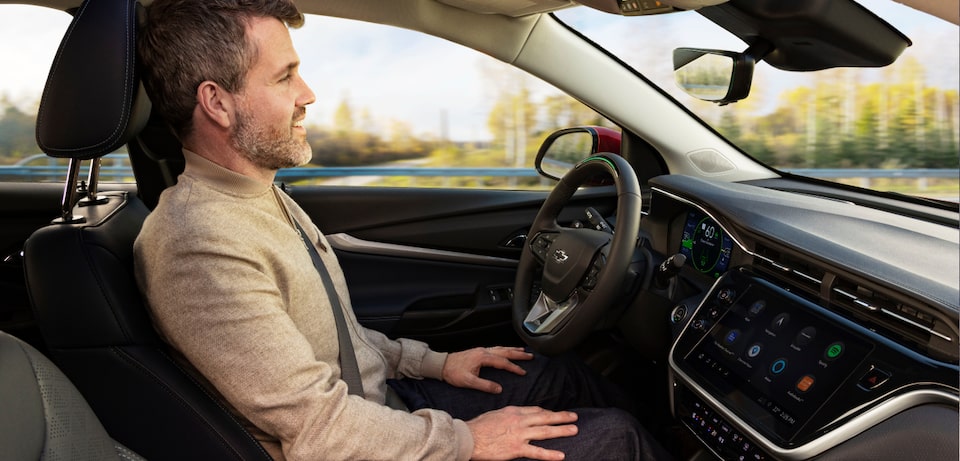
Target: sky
401,75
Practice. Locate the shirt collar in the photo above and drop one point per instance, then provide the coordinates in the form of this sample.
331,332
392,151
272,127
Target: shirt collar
219,177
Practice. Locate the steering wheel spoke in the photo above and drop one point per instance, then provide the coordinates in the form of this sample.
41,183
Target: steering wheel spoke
547,315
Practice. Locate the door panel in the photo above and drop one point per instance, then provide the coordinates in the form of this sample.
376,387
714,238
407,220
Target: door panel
449,305
434,264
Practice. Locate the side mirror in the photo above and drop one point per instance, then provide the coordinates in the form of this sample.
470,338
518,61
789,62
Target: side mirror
713,75
565,148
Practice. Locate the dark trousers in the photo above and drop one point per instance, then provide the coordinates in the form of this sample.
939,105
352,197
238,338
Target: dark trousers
606,428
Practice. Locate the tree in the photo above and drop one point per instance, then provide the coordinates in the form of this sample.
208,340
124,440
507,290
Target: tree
17,137
343,118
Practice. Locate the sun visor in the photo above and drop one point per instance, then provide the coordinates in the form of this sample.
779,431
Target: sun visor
812,35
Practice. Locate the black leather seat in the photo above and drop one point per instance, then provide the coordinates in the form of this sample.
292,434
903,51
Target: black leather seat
42,416
79,270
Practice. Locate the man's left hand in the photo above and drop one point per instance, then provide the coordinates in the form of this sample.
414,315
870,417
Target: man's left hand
462,369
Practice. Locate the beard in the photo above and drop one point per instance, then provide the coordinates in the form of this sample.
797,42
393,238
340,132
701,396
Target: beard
266,147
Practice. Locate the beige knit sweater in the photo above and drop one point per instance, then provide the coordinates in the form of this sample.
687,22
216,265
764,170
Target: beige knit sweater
231,287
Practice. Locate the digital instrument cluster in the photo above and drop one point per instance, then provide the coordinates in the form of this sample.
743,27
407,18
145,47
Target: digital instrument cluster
706,245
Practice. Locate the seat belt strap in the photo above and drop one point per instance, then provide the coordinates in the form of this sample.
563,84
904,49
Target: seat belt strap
349,371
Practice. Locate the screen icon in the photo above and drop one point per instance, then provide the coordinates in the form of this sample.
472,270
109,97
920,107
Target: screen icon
732,336
780,321
834,351
805,383
805,336
778,366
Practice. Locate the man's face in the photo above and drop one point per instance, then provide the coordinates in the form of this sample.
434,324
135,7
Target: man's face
268,126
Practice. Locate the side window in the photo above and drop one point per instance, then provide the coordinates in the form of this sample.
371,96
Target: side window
400,108
394,108
29,37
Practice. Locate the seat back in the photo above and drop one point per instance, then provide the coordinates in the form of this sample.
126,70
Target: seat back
79,269
86,302
42,416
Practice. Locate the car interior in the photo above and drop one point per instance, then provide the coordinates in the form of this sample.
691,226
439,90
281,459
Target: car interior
755,314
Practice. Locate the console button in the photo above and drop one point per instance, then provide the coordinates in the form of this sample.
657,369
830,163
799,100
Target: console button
726,296
716,432
679,313
873,378
714,312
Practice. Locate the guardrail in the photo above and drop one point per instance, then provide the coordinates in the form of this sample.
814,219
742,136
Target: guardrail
59,173
119,173
110,172
300,173
865,175
875,173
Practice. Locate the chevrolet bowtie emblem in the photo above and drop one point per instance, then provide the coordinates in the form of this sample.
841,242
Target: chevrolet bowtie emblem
560,256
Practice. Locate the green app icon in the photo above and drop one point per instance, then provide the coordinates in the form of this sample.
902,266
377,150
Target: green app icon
834,350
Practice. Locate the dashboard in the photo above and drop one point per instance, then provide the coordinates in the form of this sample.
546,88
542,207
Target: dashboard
804,325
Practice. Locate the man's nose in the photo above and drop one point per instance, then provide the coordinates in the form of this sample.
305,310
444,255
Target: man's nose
306,94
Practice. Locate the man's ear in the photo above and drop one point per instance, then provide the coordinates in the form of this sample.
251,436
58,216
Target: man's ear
215,103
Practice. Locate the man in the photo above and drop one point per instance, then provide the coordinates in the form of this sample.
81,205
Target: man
231,286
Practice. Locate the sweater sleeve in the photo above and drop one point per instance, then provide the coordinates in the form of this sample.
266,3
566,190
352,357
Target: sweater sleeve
212,300
407,357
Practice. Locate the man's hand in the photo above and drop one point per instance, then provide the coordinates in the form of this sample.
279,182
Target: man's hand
462,369
506,433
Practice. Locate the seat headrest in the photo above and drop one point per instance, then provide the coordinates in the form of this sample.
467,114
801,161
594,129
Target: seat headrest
93,101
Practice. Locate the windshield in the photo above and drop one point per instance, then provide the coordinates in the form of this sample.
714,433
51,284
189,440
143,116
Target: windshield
894,128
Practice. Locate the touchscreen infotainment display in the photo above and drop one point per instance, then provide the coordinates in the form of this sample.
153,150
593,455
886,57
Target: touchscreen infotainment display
774,359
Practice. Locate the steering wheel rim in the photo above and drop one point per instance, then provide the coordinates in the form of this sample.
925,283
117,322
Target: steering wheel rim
551,326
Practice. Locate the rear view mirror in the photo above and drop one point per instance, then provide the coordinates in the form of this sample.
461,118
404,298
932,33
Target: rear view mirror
713,75
565,148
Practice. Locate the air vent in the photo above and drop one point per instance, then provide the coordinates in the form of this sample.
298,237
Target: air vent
905,320
908,319
796,272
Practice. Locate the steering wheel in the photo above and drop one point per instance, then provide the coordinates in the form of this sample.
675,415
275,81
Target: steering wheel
583,269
